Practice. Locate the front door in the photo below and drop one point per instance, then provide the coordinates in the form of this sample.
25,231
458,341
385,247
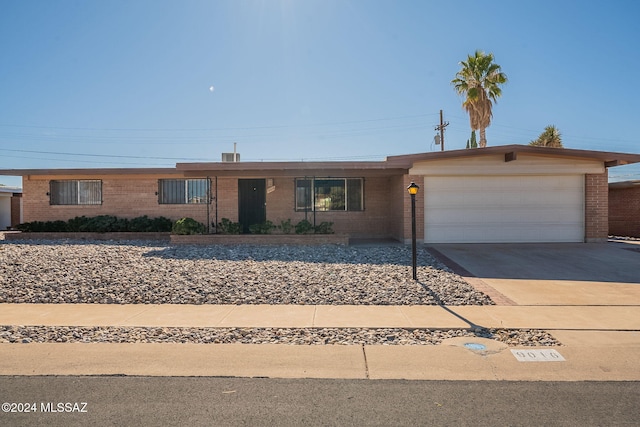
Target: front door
252,201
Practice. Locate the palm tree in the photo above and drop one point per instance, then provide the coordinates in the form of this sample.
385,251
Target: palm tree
479,81
549,138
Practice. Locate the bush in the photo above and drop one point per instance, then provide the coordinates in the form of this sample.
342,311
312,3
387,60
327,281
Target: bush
286,226
161,224
304,227
265,228
102,224
225,226
77,224
145,224
188,226
324,228
99,224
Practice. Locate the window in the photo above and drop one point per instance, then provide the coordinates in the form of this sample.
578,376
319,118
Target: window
183,191
329,194
75,192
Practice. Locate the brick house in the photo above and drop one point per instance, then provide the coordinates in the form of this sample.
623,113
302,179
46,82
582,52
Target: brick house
624,208
507,193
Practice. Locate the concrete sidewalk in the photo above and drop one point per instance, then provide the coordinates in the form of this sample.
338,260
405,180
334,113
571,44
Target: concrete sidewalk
616,318
599,343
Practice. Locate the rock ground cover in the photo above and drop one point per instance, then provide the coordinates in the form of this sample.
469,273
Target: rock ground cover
292,336
143,273
153,273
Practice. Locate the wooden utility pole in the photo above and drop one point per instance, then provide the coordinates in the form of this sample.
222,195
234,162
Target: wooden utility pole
441,127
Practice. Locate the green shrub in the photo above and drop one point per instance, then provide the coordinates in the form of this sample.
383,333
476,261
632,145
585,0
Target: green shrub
304,227
324,228
286,226
161,224
99,224
265,228
188,226
56,226
102,224
142,223
225,226
77,224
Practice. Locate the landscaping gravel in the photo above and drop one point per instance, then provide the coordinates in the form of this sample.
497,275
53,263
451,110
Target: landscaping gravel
154,273
292,336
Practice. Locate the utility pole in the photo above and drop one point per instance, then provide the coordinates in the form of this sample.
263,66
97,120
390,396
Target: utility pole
441,129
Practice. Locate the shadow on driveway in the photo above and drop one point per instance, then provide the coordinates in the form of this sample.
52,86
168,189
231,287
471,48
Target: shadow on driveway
591,262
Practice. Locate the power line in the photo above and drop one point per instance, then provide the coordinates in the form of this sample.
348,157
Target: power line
103,155
215,129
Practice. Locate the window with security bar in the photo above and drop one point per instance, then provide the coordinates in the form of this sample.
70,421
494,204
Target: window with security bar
329,194
75,192
183,191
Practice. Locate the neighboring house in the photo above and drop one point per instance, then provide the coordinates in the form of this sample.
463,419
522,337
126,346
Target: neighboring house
508,193
624,208
10,207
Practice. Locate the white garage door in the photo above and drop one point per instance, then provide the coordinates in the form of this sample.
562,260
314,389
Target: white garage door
486,209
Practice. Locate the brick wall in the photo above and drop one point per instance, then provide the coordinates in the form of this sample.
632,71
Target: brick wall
397,196
596,207
124,197
624,211
132,196
374,221
225,202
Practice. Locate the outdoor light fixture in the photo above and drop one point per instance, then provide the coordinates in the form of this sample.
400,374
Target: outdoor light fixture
413,189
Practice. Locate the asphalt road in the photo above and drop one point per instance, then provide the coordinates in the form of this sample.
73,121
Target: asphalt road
198,401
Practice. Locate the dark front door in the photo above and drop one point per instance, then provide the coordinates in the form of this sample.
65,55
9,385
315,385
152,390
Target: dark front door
252,200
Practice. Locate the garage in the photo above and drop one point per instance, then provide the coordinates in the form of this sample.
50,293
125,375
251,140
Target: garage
504,208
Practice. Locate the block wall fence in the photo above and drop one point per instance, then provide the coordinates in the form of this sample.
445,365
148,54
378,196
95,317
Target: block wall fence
624,211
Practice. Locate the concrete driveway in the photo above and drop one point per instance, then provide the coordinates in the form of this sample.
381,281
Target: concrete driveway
554,274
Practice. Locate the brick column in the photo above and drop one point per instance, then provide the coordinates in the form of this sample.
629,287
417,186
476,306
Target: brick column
419,180
596,207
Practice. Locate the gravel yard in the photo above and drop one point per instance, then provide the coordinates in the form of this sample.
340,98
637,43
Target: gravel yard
153,273
291,336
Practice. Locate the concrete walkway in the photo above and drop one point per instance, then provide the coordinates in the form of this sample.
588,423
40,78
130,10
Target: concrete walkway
593,312
599,343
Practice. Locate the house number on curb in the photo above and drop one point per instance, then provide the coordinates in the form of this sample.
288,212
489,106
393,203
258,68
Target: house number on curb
536,355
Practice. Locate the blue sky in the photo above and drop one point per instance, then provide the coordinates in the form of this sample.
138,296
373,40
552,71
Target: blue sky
150,83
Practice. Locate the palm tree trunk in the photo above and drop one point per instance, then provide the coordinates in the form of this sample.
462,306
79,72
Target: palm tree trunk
483,138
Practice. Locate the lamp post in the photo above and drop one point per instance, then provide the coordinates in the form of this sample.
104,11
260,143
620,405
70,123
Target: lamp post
413,190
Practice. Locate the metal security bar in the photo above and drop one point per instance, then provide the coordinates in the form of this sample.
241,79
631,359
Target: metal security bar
183,191
75,192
